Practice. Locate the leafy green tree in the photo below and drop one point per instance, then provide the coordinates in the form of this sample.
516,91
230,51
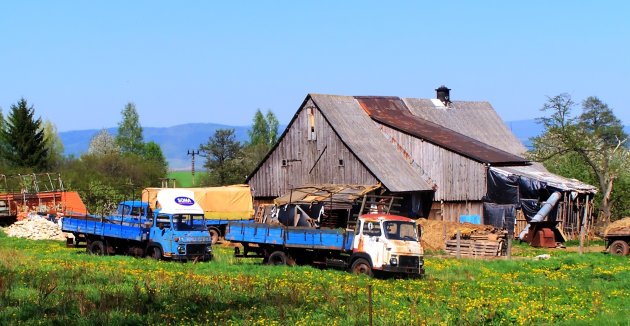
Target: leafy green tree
594,139
264,129
129,137
273,124
262,137
153,153
3,161
224,161
23,138
103,143
53,143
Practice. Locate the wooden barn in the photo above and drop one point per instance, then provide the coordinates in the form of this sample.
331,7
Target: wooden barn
435,153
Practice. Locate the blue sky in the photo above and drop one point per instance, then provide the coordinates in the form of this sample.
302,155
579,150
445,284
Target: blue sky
80,62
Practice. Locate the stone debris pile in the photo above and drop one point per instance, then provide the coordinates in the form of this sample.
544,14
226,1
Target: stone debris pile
35,227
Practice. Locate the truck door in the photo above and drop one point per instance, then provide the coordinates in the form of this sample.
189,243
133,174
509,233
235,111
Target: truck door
370,241
162,232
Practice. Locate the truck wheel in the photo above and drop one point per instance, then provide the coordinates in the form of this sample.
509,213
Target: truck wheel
156,253
97,248
361,266
619,248
214,235
277,258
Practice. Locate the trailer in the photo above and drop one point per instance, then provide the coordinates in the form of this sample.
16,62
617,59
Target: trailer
617,236
379,244
174,230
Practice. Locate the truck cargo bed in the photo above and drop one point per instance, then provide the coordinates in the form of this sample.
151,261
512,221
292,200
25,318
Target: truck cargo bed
105,228
295,237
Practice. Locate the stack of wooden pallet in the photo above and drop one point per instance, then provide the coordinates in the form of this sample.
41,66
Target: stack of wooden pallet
478,245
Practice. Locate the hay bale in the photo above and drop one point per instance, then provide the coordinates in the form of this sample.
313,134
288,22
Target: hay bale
621,226
434,237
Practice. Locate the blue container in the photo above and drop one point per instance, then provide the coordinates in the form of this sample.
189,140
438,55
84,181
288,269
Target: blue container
474,219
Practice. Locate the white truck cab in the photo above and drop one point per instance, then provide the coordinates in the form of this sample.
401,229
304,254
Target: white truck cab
388,243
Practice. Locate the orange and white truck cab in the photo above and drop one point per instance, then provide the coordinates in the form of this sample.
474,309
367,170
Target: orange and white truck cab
387,243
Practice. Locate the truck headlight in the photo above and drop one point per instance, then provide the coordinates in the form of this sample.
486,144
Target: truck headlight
393,261
181,249
420,262
208,249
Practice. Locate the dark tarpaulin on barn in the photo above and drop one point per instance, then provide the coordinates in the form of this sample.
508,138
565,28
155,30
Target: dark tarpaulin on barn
500,216
502,189
529,207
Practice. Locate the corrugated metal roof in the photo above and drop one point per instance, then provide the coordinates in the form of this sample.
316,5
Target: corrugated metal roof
551,179
393,112
477,120
359,133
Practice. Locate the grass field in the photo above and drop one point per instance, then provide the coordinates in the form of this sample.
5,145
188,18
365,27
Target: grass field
42,282
184,178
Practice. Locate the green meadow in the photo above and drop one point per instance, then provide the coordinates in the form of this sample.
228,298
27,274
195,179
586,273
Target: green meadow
45,283
184,178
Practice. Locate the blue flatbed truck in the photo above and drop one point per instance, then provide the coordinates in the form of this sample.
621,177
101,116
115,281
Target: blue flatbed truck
221,205
170,231
380,243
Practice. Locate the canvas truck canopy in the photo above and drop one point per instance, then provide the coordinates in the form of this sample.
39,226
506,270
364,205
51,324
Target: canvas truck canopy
226,203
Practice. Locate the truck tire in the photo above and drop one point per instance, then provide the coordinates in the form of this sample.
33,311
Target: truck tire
156,253
277,258
361,266
97,248
619,248
214,235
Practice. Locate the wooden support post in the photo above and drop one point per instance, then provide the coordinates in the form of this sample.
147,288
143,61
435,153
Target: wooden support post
509,246
459,238
583,226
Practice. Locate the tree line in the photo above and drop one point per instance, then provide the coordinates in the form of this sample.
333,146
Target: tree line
590,146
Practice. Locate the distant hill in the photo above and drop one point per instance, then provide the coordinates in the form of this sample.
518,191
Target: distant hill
526,129
177,140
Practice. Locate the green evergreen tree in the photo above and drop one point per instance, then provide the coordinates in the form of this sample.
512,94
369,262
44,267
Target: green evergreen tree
129,137
23,139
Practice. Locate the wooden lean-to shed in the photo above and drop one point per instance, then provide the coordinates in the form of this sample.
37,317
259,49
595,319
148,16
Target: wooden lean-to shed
435,153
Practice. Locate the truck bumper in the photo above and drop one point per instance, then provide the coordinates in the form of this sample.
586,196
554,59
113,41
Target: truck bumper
204,257
412,271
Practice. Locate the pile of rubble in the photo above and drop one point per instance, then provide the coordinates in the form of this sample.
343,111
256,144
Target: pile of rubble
36,228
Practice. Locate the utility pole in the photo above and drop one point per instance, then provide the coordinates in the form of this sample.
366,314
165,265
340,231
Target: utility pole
193,153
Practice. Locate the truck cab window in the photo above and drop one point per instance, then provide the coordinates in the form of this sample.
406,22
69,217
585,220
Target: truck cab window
163,221
401,231
189,222
372,229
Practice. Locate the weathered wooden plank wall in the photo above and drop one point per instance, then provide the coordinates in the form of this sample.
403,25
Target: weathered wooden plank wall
458,178
322,159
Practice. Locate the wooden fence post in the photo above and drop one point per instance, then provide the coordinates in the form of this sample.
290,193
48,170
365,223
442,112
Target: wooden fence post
459,237
370,303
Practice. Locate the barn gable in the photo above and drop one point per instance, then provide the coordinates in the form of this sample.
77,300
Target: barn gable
308,152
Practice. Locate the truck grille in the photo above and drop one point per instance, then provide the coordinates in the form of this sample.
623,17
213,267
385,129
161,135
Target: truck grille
408,261
195,249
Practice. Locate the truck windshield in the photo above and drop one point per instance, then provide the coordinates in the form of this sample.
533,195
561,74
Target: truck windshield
189,222
398,230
